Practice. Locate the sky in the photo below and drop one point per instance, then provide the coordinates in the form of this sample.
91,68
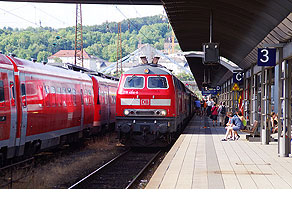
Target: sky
24,14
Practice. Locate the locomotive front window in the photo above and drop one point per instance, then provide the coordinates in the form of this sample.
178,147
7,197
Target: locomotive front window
157,82
136,82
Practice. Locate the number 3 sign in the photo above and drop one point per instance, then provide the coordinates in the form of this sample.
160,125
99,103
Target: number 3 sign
266,57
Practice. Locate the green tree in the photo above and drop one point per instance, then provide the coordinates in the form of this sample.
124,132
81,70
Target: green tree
185,76
43,56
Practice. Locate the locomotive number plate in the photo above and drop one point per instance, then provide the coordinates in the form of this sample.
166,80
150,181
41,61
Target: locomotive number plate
144,101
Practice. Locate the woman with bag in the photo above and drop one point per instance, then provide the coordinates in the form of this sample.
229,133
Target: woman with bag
221,113
236,125
214,114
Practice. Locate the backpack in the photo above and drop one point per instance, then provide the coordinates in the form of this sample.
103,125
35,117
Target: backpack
244,122
223,110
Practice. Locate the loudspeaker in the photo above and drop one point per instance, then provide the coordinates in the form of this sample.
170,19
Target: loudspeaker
211,53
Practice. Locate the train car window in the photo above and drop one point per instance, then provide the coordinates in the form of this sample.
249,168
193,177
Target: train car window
13,93
58,96
136,82
53,96
89,97
85,97
47,89
47,99
2,96
98,97
69,97
74,97
157,82
64,101
81,92
23,92
40,93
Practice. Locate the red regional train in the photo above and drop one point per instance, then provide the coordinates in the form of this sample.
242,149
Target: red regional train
152,106
42,106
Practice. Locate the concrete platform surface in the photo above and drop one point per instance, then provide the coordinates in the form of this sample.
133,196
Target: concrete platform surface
200,160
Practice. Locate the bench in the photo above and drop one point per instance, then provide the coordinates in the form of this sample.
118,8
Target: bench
251,130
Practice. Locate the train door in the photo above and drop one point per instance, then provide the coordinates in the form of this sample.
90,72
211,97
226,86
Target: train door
8,116
23,107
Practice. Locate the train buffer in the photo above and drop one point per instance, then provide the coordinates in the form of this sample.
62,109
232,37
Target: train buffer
200,160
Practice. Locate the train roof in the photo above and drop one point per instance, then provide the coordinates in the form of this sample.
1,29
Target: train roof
90,72
39,68
153,69
72,71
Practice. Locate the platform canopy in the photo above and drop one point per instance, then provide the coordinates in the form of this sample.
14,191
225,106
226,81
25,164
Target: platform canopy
240,26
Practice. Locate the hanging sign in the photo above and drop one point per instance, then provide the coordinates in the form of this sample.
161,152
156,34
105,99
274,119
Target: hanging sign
209,91
238,77
235,87
266,56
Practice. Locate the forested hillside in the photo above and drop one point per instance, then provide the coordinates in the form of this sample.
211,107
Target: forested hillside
98,40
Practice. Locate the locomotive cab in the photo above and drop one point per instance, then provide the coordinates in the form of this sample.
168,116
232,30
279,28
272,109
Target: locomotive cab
146,107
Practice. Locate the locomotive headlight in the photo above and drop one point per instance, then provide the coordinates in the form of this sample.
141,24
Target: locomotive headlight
146,71
126,112
163,112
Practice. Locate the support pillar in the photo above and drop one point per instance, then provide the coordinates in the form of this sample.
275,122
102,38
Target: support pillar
265,132
284,107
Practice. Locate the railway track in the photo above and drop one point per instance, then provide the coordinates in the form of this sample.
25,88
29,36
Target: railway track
121,172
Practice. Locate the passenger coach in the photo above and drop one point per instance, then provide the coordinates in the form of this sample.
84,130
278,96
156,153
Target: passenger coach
42,106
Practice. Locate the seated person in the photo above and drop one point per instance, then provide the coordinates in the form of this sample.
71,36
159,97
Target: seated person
236,125
274,122
227,125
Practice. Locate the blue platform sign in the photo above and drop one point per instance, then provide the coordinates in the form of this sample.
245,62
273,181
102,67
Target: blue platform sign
209,91
266,56
238,77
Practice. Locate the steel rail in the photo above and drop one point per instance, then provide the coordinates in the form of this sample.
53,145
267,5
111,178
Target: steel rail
142,171
100,168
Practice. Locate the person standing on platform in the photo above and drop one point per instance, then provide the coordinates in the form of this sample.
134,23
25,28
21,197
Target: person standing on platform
205,108
209,107
214,115
221,113
198,107
202,107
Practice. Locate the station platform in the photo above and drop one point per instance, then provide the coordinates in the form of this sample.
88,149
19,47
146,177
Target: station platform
200,160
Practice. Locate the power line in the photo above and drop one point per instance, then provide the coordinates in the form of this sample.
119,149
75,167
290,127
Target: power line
50,15
19,17
140,15
132,24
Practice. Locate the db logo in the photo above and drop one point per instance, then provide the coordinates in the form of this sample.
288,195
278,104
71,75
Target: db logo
144,101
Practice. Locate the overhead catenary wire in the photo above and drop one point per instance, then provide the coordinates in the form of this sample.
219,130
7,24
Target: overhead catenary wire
63,22
132,24
19,17
141,16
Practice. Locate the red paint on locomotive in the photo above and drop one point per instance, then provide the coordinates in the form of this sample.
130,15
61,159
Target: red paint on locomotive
152,106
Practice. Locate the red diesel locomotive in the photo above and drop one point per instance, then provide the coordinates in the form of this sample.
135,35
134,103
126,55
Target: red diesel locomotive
152,106
42,106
